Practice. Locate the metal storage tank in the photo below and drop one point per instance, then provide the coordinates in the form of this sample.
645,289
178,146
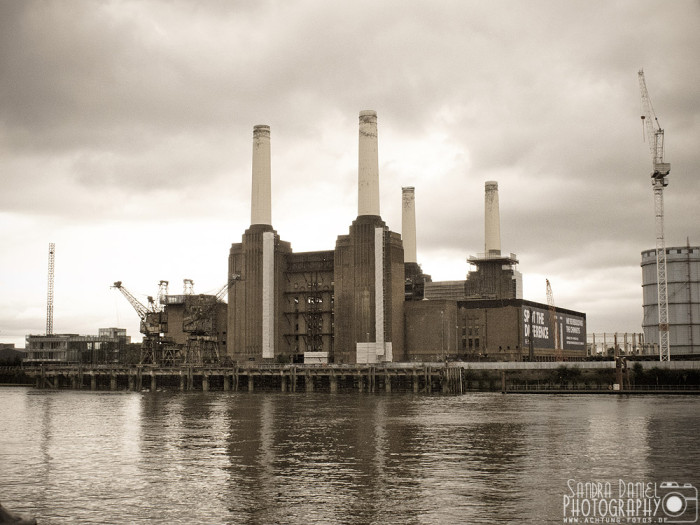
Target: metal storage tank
683,277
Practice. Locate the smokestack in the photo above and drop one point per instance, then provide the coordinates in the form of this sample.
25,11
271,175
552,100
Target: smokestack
408,224
368,165
492,220
260,204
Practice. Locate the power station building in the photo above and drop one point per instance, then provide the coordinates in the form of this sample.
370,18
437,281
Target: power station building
683,291
367,300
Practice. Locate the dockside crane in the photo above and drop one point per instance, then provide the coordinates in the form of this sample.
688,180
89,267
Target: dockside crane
150,324
200,323
153,324
558,353
659,180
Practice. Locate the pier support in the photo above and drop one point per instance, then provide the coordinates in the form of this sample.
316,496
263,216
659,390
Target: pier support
334,383
93,382
132,382
112,382
284,383
387,382
154,383
182,382
205,382
250,383
227,383
309,380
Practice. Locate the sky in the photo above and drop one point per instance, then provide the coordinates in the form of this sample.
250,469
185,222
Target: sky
126,140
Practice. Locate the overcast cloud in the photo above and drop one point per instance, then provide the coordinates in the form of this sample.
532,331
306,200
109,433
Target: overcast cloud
126,138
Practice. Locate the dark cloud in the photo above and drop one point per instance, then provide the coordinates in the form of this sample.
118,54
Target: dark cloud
139,114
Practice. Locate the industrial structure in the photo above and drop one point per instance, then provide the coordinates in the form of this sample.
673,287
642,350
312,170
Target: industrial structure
181,329
365,302
343,305
683,295
368,300
659,180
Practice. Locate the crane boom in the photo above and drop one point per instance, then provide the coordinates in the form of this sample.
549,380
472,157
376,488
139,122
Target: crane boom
140,308
654,132
660,171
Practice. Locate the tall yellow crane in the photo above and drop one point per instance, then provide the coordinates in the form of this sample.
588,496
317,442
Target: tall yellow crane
659,180
558,354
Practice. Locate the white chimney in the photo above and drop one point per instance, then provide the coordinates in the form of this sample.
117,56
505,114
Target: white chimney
368,165
408,224
260,204
492,220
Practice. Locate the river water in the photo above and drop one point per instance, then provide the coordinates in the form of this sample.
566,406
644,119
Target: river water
350,458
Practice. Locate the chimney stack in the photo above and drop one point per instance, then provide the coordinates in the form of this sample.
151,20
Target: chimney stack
408,224
492,220
260,204
368,165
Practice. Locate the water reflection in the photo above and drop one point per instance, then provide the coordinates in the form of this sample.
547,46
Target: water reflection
171,457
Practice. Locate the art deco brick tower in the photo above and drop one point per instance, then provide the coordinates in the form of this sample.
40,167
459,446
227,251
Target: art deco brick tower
255,300
368,270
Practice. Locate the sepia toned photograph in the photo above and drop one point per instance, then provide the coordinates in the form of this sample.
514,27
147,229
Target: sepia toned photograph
363,263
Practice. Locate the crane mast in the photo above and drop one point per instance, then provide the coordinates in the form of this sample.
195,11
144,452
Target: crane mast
558,354
49,294
659,180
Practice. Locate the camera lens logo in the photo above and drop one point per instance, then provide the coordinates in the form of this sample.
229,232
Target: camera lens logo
679,502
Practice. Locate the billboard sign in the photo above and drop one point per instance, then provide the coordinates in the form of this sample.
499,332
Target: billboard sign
570,328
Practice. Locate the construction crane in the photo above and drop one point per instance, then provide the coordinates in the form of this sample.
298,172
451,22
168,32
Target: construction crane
49,294
659,180
558,354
